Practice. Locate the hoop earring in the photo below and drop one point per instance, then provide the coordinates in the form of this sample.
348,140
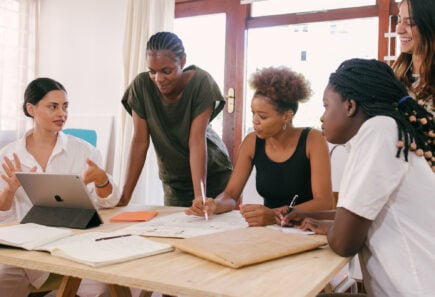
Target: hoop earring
284,126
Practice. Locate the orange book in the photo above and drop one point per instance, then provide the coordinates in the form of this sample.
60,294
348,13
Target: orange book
134,216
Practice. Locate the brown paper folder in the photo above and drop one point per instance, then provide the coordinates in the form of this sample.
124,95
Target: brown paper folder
241,247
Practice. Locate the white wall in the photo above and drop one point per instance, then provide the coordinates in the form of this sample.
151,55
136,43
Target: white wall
80,45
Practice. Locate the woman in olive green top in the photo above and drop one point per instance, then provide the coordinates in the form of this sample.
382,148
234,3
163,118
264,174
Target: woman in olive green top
174,105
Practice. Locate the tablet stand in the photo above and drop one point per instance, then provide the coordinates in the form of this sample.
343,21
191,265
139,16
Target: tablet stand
78,218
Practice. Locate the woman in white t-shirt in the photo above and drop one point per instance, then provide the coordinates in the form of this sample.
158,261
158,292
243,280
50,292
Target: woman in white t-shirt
45,148
386,198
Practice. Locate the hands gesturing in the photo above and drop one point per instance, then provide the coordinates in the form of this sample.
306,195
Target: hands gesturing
10,167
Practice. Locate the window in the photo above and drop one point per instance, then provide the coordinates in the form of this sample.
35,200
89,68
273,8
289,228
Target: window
313,49
17,62
207,50
275,7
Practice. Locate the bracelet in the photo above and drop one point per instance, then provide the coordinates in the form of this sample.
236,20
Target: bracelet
103,185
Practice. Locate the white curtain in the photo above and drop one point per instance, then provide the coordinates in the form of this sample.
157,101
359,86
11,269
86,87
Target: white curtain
144,18
18,28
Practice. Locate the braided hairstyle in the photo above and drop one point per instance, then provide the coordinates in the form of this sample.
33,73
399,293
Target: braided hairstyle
282,86
373,85
166,41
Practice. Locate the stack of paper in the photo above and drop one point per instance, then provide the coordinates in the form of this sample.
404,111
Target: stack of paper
180,225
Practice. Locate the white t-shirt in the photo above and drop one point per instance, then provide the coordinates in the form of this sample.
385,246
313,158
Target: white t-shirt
398,257
69,156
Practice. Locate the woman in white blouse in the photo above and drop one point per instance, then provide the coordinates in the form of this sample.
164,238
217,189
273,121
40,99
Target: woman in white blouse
45,148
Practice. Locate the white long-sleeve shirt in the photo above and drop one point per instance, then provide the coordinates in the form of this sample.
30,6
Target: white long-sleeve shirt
69,156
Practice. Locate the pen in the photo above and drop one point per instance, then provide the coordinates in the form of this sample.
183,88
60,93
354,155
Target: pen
292,203
203,199
112,237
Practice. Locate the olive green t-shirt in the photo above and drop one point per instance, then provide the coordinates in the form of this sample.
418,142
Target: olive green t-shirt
169,126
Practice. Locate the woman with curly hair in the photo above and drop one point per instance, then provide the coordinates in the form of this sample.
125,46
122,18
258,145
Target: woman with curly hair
415,66
290,161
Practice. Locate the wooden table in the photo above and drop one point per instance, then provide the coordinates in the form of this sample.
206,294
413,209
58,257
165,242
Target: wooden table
179,273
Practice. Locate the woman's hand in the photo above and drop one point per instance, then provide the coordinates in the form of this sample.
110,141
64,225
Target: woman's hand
199,208
10,167
302,220
258,215
123,201
94,174
292,218
317,226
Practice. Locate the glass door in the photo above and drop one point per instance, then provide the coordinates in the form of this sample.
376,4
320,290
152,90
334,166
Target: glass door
207,52
213,35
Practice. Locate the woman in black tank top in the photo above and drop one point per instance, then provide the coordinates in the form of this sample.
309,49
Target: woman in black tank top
289,161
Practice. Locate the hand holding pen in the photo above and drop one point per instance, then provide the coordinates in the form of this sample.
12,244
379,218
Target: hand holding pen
290,208
201,206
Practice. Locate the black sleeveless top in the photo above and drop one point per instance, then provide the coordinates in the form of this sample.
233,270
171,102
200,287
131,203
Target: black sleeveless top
277,183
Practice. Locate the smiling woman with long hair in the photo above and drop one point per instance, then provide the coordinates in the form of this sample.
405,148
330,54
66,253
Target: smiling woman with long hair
415,66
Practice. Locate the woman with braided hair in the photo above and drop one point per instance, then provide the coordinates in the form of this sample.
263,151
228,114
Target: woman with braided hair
174,105
384,211
415,66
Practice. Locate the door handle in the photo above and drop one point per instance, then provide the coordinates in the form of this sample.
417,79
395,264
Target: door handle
230,100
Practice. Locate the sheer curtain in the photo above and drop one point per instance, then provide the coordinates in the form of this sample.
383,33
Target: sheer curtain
144,18
18,28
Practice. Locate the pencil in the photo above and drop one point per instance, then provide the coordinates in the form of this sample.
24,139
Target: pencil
203,199
112,237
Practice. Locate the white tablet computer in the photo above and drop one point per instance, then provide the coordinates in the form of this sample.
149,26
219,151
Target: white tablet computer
61,200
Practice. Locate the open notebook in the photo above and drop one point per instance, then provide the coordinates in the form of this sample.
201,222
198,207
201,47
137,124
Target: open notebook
90,248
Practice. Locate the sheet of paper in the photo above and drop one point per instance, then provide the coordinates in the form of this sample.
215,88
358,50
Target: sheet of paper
291,230
180,225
